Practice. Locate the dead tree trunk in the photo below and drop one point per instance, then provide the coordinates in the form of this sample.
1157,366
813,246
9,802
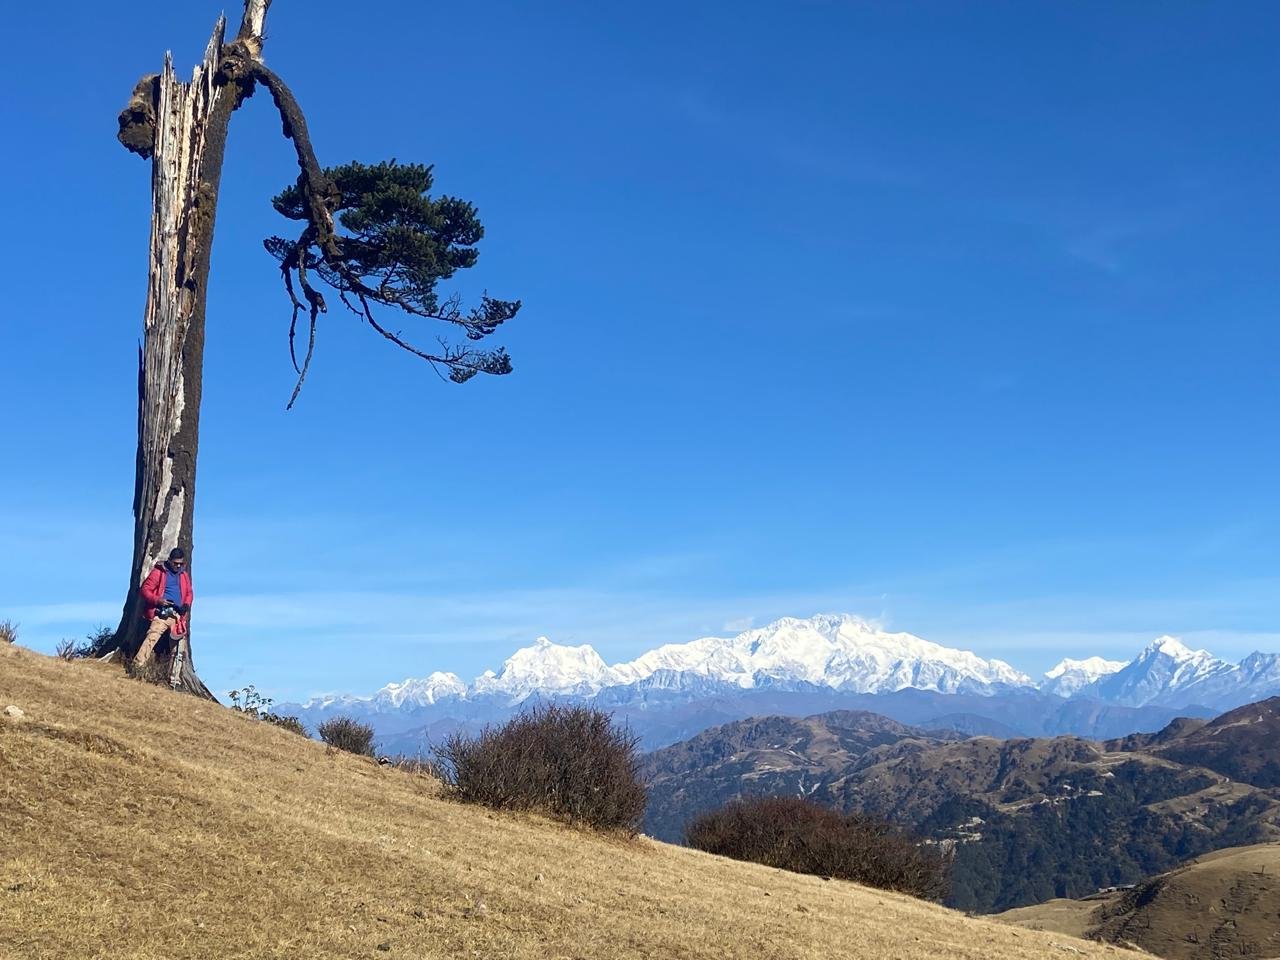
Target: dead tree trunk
182,127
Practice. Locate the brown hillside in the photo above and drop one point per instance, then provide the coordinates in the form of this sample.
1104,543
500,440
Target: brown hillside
1240,744
762,756
1224,905
140,823
1028,819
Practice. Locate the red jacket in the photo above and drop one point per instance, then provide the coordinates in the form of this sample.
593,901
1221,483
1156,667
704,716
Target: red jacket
153,593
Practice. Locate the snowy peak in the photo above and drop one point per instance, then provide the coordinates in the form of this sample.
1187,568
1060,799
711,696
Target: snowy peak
833,651
546,667
1173,648
438,686
330,701
1185,666
1167,671
1092,667
839,651
1263,667
1069,677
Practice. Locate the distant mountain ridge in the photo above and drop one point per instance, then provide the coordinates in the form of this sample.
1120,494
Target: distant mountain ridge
1028,818
798,666
1171,674
841,652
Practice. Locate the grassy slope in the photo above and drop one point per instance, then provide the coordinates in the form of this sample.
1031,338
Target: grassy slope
139,823
1225,904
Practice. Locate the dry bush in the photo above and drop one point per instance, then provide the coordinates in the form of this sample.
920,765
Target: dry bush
568,761
97,641
8,631
94,643
345,733
292,724
795,834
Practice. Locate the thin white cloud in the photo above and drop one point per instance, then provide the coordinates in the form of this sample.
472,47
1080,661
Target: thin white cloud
73,614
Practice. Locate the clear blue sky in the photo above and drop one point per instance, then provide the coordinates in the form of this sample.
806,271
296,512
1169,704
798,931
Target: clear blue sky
961,316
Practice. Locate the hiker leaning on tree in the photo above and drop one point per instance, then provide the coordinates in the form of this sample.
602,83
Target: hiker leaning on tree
167,596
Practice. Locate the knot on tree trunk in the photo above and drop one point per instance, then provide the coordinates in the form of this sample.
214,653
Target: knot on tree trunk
240,59
138,118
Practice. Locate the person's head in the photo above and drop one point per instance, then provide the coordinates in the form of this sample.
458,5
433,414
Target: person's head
177,559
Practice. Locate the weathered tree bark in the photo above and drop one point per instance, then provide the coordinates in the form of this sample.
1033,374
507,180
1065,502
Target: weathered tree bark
182,127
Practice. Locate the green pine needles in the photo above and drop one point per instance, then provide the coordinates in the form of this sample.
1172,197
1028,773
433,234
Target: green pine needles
396,243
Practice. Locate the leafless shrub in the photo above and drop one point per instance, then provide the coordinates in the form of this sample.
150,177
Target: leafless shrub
292,724
92,645
97,641
8,631
795,834
345,733
569,761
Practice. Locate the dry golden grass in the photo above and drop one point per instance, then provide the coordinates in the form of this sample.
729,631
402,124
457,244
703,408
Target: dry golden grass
1223,905
1073,917
135,822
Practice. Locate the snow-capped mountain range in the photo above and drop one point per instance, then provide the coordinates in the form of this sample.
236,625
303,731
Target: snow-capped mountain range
840,652
827,658
1169,673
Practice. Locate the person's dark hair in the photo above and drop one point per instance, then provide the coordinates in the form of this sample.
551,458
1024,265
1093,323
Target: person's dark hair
177,553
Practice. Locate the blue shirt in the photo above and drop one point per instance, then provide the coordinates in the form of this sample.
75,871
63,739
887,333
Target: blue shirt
172,587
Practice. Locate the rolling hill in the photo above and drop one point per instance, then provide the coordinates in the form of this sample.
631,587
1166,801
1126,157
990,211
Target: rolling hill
138,823
1220,906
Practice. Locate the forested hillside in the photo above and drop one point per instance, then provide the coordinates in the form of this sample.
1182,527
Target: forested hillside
1027,819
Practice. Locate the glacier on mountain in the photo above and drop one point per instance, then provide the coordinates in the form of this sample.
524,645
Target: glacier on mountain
807,660
841,652
418,693
546,667
838,652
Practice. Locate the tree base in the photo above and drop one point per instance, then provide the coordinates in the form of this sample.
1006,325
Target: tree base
160,670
